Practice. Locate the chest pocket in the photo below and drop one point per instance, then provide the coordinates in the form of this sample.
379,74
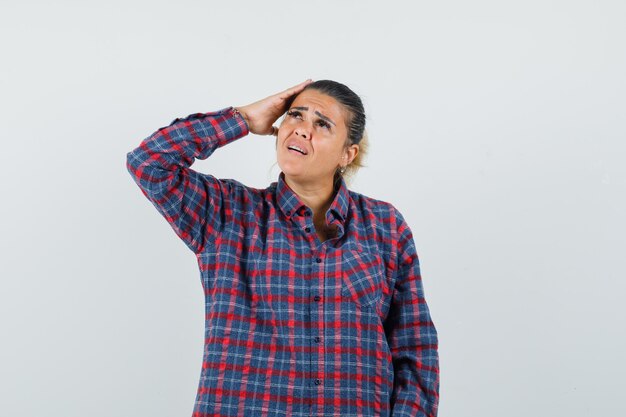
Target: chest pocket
363,278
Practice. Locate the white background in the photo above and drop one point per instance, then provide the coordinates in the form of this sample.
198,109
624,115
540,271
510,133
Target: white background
496,127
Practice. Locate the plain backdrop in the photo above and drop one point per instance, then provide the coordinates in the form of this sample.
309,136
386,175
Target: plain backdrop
497,128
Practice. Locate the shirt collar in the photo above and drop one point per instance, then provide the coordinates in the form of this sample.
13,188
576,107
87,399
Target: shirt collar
291,204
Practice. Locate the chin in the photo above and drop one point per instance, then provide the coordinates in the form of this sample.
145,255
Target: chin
290,166
291,170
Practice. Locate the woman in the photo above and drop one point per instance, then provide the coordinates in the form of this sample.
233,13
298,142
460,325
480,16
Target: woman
314,300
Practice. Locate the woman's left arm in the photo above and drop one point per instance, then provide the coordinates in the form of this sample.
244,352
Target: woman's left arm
411,335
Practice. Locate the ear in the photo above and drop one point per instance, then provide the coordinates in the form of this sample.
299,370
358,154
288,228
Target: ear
351,152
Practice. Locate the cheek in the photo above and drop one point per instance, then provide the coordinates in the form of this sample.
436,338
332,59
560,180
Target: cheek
284,131
282,134
329,155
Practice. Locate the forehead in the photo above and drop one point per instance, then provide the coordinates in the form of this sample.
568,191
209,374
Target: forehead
321,102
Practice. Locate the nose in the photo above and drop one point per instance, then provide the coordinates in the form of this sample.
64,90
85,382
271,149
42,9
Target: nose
302,131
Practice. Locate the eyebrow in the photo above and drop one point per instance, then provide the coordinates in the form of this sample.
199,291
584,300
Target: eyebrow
316,112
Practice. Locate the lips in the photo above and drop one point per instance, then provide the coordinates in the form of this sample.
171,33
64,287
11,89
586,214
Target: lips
297,147
296,151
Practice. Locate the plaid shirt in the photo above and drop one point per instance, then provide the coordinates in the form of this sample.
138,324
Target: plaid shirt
294,326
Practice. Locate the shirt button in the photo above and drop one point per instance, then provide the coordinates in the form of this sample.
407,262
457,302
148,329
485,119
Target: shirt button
317,298
317,382
307,229
318,260
288,212
317,339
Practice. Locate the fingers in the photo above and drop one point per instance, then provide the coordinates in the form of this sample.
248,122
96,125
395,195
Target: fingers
295,89
299,87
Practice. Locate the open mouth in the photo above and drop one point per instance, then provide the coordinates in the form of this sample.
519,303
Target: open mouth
296,149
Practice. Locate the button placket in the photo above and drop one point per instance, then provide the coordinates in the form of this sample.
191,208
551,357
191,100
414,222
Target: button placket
317,298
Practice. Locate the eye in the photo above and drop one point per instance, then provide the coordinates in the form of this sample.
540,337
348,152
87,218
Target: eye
324,124
294,113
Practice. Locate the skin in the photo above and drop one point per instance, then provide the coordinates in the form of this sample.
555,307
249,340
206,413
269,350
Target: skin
321,129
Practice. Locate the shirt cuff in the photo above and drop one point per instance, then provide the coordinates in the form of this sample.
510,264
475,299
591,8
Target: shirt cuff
243,124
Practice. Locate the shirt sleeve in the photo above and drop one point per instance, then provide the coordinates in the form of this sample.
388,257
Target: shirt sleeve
411,336
194,204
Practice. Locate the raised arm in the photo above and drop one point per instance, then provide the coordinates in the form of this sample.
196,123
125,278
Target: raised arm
411,336
191,202
198,206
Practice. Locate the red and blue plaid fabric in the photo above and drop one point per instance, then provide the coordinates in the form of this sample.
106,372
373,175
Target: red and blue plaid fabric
294,326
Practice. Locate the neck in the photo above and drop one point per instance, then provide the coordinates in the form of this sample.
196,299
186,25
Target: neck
318,196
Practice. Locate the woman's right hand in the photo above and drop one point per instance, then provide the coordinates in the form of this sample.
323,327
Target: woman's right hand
262,114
